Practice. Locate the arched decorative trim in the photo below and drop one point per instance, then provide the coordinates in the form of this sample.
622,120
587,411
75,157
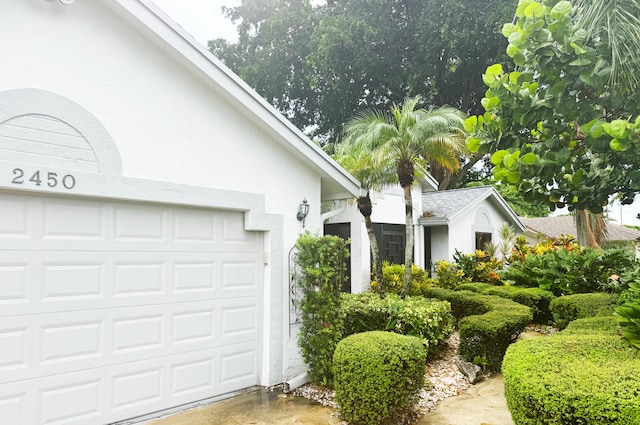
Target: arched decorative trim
482,221
79,141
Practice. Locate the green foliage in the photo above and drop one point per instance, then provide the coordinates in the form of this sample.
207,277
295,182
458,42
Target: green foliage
575,377
478,267
568,269
320,64
393,275
322,261
606,324
487,324
449,276
429,320
578,306
628,315
559,127
377,375
474,287
537,299
467,268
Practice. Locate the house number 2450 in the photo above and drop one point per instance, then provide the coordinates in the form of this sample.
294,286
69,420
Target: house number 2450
38,179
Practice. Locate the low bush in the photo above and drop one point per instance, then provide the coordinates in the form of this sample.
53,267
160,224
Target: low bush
578,306
569,269
430,320
393,275
580,377
606,324
377,375
537,299
628,314
474,287
487,324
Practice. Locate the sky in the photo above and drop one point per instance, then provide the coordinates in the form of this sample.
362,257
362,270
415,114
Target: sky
204,20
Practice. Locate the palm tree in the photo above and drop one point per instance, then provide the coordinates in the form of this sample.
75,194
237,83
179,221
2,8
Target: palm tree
411,138
373,174
618,23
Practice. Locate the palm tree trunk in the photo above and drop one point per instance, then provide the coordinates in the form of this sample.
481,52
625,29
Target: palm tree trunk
590,228
375,254
365,208
408,247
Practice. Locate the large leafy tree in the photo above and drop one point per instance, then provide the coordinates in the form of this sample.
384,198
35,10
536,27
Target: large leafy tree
412,137
374,172
564,126
321,64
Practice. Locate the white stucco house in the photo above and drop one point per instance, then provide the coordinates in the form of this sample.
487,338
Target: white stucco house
148,203
445,221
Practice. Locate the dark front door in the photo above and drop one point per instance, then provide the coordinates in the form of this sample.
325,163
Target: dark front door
342,230
391,241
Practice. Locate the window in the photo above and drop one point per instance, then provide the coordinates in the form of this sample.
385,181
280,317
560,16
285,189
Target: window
482,239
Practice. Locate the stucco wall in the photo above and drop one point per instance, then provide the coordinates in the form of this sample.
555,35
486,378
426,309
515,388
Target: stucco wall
168,122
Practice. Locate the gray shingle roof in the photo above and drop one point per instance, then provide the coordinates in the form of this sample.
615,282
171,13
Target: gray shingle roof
565,225
447,203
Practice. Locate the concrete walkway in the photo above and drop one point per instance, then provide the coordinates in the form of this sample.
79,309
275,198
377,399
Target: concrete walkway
482,404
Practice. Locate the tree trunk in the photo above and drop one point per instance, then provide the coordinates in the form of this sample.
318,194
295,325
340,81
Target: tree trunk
408,247
365,208
590,228
377,261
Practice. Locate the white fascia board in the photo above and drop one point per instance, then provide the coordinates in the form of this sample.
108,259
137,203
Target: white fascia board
226,81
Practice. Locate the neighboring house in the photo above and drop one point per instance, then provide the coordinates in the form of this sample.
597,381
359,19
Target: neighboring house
463,220
148,206
554,227
446,221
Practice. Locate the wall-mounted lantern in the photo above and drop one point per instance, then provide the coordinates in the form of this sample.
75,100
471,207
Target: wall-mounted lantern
303,211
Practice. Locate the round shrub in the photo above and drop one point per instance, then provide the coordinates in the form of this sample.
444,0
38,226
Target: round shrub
377,374
572,378
579,306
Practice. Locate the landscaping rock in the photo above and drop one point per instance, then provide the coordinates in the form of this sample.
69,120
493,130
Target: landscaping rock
470,370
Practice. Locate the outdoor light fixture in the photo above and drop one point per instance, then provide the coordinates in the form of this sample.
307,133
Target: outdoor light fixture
303,211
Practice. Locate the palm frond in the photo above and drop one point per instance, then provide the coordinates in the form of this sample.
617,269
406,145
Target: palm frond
620,22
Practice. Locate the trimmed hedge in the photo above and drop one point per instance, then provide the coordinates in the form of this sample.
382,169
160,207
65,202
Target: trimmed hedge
579,306
377,375
430,320
606,324
478,287
536,298
582,376
487,324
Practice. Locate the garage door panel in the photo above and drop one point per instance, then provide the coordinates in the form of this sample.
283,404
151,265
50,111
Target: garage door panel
111,310
13,410
44,345
118,392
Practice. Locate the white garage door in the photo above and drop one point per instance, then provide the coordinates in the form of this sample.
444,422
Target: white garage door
110,310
